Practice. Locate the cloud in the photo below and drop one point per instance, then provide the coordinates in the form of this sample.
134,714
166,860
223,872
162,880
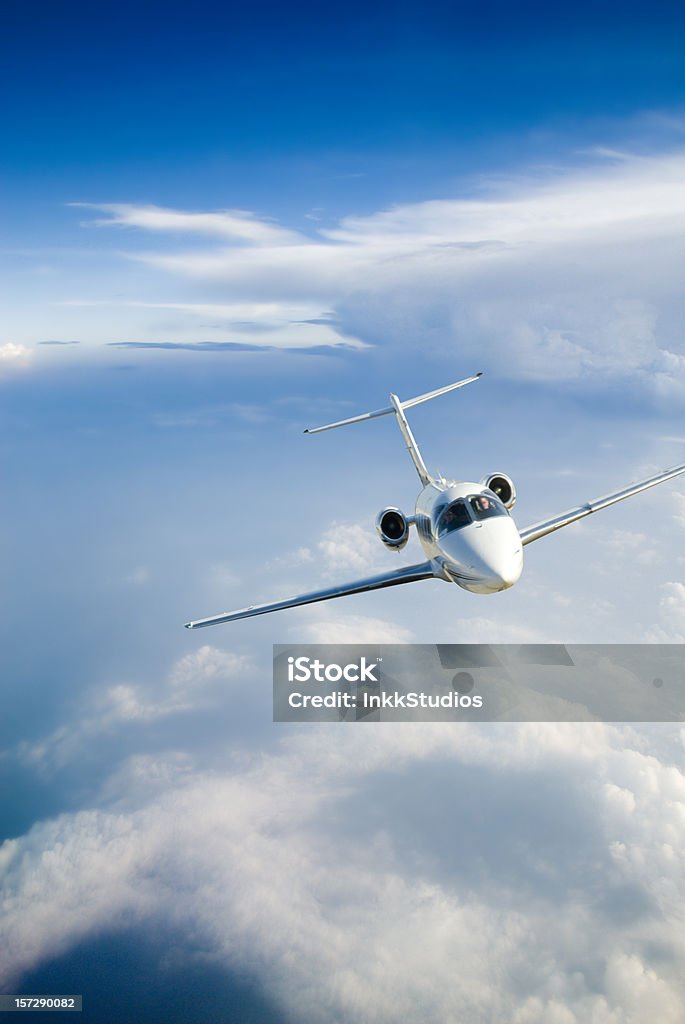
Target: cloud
312,342
481,629
349,547
324,872
292,559
552,277
639,547
138,577
235,225
192,672
222,575
191,684
670,628
679,508
254,326
238,314
639,195
13,356
343,547
196,682
331,627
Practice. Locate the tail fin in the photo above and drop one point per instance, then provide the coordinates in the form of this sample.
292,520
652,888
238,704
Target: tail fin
397,407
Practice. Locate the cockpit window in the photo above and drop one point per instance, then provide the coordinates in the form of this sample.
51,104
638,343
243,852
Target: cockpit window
484,506
454,517
464,511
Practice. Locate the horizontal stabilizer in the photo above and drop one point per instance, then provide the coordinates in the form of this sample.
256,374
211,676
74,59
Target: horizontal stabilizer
352,419
411,402
408,404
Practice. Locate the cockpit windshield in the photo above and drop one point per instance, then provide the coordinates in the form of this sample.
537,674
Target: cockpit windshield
465,511
454,517
484,506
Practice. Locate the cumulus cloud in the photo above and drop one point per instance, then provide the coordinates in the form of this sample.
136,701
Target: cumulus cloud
670,628
331,627
190,684
349,547
529,873
13,356
343,551
348,898
193,671
195,682
630,544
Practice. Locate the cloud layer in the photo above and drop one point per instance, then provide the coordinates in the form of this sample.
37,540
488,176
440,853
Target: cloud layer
321,868
553,276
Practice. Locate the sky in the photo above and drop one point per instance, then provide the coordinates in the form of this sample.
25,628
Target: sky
222,224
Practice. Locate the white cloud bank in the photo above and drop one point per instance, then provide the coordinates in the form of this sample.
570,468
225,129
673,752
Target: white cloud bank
301,870
553,277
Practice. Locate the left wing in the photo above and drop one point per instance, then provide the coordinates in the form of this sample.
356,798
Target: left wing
408,574
532,533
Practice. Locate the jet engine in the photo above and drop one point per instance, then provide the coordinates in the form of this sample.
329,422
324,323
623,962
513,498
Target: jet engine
503,486
393,528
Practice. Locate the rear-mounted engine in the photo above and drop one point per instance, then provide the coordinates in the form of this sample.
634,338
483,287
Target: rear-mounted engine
503,486
393,528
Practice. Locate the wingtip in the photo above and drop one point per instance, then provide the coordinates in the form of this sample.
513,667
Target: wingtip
479,374
190,625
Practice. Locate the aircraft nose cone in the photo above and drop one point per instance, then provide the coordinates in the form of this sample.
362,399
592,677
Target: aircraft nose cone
506,572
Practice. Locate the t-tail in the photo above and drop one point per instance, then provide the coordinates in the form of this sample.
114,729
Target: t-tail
397,407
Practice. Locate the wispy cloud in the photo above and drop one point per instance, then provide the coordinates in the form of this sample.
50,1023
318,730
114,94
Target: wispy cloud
546,276
51,342
295,326
304,342
236,225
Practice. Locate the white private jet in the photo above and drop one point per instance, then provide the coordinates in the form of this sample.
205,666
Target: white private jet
465,528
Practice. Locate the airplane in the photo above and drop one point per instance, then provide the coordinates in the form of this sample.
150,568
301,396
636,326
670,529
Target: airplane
465,529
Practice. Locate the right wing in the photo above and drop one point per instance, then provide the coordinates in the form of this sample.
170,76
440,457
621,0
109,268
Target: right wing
408,574
532,533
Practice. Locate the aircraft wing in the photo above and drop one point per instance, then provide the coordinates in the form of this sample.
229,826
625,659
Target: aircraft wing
532,533
408,574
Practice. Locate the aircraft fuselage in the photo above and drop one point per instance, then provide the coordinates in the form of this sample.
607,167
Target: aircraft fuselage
482,553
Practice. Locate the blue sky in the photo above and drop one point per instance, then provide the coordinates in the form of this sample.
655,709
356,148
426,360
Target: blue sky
222,224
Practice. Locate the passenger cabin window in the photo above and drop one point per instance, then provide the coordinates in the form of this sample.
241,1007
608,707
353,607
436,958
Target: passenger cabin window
453,517
484,506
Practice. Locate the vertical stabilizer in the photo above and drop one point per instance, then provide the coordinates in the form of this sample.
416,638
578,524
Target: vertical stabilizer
397,407
410,441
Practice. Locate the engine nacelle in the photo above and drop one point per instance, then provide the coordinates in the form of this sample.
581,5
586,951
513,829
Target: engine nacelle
503,486
393,528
